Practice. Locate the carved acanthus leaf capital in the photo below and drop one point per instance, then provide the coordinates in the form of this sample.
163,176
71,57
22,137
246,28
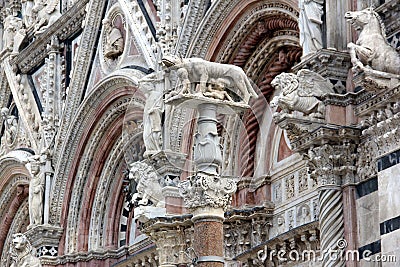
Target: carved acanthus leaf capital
204,190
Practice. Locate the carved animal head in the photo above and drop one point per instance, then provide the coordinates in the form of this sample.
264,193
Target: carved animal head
171,60
287,82
361,18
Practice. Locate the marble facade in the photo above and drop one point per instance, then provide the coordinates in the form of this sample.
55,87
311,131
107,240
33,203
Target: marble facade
199,133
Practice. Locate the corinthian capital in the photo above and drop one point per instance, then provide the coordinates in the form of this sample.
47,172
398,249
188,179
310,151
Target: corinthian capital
205,190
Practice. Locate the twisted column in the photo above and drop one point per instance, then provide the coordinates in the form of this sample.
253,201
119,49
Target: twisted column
331,223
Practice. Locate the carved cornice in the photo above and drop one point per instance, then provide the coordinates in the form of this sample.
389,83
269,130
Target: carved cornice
249,213
326,134
331,64
253,182
66,26
85,256
377,102
300,238
390,14
347,99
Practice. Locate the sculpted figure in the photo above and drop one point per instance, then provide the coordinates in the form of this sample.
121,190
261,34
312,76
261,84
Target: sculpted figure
153,110
304,214
372,50
310,25
21,252
114,46
147,185
301,93
13,32
197,71
10,127
27,12
46,13
36,191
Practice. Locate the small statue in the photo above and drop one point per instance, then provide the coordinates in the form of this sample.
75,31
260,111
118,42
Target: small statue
216,89
36,191
10,127
310,25
281,225
21,252
200,72
301,93
153,110
304,214
114,46
47,12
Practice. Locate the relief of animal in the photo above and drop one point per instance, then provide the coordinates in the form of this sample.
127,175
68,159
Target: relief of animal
301,93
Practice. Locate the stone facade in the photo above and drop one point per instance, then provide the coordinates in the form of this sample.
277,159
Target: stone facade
199,133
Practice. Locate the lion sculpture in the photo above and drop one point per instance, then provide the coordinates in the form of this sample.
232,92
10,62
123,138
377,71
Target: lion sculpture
21,252
301,92
148,189
208,74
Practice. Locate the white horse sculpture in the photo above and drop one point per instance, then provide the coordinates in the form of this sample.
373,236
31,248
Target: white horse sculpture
372,48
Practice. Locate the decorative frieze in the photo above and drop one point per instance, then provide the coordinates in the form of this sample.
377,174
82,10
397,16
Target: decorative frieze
246,228
295,242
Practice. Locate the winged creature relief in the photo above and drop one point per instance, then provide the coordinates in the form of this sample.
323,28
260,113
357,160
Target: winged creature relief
302,93
47,12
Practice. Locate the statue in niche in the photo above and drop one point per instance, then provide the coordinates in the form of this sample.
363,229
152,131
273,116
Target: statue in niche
372,53
46,13
10,127
153,110
209,79
36,192
301,92
114,46
22,253
281,225
303,214
14,32
310,25
27,12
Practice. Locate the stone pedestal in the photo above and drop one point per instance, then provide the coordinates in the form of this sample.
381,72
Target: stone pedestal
45,238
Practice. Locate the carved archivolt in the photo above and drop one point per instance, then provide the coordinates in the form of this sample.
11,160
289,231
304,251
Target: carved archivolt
98,149
114,91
